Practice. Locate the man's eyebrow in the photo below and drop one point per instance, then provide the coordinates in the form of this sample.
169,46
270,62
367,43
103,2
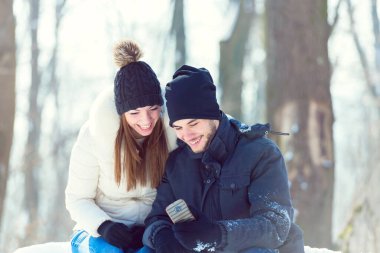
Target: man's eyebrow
191,121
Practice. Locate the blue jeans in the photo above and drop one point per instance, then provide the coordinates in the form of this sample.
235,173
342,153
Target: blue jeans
82,242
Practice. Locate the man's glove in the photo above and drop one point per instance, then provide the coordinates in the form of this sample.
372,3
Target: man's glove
137,234
165,242
117,234
200,234
294,243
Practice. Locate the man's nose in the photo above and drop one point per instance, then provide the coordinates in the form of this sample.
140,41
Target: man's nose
187,133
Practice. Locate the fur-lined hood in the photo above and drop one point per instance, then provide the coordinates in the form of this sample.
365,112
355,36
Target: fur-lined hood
104,120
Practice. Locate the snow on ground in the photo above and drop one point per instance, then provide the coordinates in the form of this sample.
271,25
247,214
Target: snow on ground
315,250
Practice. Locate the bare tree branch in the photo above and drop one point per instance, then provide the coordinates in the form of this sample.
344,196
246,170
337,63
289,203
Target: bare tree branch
336,17
178,30
32,159
376,32
362,56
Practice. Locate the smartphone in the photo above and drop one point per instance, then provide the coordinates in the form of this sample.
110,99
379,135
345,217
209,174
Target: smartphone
178,211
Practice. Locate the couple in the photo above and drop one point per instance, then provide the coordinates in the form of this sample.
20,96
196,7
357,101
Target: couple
122,178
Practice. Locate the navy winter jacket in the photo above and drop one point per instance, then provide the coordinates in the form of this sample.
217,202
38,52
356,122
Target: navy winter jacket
249,183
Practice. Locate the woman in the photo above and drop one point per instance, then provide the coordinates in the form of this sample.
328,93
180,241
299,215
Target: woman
118,160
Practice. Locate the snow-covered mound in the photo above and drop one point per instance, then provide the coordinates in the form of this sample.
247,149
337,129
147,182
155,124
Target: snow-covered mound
50,247
315,250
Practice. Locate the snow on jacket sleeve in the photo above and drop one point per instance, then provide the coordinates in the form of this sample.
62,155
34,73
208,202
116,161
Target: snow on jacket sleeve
270,211
82,185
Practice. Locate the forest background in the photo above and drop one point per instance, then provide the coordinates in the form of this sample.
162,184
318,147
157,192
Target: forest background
308,67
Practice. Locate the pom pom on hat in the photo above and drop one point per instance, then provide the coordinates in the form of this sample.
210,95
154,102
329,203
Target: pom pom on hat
136,84
125,52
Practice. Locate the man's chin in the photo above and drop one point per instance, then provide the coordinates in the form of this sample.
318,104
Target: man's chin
197,150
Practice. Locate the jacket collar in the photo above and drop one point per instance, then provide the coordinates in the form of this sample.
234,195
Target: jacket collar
223,142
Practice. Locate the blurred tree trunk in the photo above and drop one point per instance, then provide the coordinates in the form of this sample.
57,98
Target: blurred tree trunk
178,29
362,228
7,94
32,161
299,99
232,55
59,156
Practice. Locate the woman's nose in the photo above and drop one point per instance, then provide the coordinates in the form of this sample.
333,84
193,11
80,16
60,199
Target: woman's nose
145,116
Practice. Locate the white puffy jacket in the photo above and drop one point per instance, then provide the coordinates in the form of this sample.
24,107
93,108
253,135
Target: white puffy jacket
92,195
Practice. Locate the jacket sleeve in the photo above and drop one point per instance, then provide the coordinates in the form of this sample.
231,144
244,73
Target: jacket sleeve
82,185
271,210
157,218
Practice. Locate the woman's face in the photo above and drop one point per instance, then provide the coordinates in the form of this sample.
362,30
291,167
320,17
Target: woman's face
143,119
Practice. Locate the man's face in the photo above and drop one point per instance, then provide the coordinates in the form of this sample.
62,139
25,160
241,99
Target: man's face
197,133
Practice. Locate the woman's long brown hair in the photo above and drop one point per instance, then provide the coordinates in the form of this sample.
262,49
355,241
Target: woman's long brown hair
140,165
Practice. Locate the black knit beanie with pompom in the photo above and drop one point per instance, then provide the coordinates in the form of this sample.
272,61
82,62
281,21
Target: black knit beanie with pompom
136,84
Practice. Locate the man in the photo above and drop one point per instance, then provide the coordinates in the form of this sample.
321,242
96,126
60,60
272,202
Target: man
232,177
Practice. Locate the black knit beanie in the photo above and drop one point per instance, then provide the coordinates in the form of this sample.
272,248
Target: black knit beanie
136,84
191,95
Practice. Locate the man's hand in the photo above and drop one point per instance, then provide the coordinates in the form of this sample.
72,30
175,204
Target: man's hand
137,234
198,235
165,242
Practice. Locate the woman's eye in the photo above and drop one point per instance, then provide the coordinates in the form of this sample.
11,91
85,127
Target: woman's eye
194,124
153,108
133,113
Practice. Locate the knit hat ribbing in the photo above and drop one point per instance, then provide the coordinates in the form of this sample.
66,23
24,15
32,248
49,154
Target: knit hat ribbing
191,95
136,85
